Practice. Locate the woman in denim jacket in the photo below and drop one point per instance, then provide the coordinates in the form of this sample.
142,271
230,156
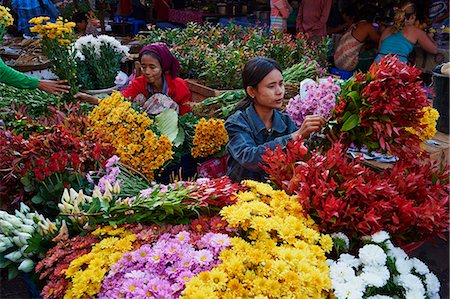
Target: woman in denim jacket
257,124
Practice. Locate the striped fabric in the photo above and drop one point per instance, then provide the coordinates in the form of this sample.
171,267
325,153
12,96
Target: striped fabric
347,52
278,23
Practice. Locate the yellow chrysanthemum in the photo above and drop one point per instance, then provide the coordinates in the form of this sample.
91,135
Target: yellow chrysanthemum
210,136
6,18
429,120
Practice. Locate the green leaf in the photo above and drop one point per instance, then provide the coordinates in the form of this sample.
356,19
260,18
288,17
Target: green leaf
350,123
12,272
37,199
167,123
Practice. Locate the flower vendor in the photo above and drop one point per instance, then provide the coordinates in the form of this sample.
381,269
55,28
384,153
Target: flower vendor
257,124
400,38
158,87
28,9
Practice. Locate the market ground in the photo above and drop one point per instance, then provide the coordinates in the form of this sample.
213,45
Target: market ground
434,254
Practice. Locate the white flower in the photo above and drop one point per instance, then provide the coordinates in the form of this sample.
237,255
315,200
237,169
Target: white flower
342,237
349,260
341,273
13,256
380,237
375,276
432,283
403,266
396,252
379,297
353,289
420,266
26,265
24,208
414,294
372,255
410,282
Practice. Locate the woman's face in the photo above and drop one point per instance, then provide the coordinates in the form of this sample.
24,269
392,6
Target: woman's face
151,68
410,21
269,93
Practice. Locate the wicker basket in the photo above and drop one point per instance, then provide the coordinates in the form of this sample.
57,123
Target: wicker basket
291,89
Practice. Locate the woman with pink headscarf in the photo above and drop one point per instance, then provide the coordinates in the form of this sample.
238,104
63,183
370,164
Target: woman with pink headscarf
159,86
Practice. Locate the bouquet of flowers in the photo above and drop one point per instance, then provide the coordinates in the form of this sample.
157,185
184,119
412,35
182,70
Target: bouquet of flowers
6,20
98,60
264,260
410,200
210,137
428,124
129,132
381,270
56,39
320,99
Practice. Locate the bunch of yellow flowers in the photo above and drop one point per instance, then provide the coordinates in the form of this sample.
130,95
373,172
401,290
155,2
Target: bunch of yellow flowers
61,30
429,121
280,253
87,271
210,136
129,133
6,18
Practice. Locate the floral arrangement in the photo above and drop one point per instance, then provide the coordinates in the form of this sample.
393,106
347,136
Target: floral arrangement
56,39
375,108
16,234
210,137
162,269
320,100
427,128
217,54
381,270
265,261
98,60
128,131
6,20
410,200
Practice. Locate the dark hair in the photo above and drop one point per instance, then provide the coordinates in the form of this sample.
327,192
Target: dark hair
368,12
79,17
151,53
255,70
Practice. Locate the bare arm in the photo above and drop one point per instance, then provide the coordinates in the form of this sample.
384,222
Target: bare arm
84,97
54,87
425,41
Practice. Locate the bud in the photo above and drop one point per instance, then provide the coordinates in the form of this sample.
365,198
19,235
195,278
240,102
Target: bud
108,186
26,265
13,256
107,195
65,196
96,193
24,208
116,188
80,197
73,194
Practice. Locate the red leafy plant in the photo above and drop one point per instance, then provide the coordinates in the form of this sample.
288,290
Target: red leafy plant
374,109
40,167
410,201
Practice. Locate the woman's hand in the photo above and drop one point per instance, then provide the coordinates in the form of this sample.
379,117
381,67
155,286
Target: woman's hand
312,123
84,97
54,87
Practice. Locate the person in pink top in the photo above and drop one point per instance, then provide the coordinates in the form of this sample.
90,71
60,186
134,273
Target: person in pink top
312,17
279,12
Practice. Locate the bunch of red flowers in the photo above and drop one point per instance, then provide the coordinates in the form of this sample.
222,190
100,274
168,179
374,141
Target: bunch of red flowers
216,192
410,201
375,108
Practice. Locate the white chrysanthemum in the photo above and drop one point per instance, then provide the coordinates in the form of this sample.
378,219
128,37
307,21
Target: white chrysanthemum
380,237
413,294
379,297
341,273
420,266
375,276
349,260
432,283
372,255
403,266
397,253
410,282
341,236
353,289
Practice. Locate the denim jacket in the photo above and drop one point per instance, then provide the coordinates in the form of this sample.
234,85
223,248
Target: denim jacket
249,139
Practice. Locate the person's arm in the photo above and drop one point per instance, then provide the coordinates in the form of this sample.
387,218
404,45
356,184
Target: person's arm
283,7
15,78
244,149
325,13
181,95
425,41
84,97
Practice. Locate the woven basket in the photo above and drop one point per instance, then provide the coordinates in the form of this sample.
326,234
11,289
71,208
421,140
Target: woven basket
291,89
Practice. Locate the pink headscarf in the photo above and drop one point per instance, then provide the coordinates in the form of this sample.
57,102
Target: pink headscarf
168,62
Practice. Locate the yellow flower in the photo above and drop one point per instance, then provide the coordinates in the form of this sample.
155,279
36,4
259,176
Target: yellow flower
428,124
6,18
210,136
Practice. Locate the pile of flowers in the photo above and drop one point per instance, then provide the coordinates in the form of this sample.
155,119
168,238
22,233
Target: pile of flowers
98,60
6,20
162,269
55,40
410,200
16,232
320,100
381,270
129,133
428,122
375,108
279,252
210,137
